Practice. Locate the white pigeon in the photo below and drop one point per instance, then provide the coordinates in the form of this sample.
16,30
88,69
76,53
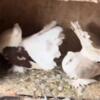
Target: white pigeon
43,47
11,37
81,68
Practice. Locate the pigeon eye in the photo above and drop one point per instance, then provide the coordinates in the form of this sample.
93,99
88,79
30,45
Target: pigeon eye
21,58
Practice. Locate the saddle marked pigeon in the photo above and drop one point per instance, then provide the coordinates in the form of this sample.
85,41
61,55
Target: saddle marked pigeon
14,54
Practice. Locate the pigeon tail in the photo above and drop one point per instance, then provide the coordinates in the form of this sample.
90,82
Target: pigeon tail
11,37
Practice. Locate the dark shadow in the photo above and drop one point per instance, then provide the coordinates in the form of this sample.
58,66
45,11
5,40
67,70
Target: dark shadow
27,28
94,30
4,66
70,43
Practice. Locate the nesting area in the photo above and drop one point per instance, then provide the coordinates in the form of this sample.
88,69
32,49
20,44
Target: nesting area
37,83
32,17
40,83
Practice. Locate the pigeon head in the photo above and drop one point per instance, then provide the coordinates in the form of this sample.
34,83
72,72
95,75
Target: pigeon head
17,56
68,59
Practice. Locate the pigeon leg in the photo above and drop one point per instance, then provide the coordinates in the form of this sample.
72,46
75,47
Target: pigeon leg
80,84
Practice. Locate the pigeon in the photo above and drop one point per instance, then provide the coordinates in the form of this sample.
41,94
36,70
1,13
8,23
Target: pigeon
79,66
10,49
11,37
43,46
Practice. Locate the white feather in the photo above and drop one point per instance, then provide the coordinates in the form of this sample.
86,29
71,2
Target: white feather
43,47
18,69
11,37
88,50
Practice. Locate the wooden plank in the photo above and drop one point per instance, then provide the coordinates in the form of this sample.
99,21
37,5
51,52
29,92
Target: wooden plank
94,1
